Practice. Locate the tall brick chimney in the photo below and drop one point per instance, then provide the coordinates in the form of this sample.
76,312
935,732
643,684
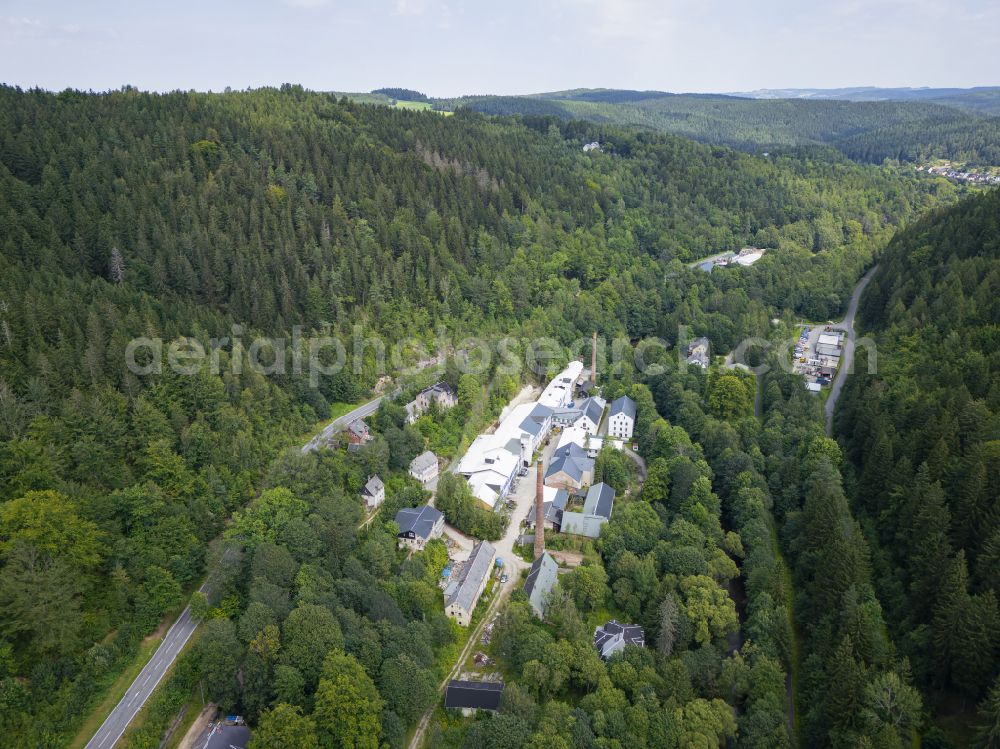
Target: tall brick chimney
593,360
539,512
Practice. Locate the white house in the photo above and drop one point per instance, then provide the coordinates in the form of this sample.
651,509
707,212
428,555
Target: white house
698,353
586,414
424,467
621,421
613,636
373,492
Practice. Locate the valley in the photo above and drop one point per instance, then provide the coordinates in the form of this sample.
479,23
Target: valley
192,281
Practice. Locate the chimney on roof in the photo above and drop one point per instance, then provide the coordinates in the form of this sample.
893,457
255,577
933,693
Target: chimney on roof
593,360
539,512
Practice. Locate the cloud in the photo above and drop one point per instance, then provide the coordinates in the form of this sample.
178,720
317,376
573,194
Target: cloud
307,3
410,7
642,21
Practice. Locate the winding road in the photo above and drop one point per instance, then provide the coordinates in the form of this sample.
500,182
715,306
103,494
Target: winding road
847,361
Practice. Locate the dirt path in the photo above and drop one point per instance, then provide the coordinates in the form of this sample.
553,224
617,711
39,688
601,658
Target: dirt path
197,728
418,737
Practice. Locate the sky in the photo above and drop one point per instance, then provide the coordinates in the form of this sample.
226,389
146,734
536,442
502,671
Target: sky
450,48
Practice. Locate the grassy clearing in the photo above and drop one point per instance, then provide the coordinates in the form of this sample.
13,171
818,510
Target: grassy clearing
336,411
400,104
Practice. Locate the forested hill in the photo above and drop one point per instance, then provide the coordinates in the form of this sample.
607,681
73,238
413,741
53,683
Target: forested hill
132,214
869,132
981,99
924,436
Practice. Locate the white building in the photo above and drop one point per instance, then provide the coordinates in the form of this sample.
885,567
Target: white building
424,467
586,414
621,421
559,392
493,460
373,492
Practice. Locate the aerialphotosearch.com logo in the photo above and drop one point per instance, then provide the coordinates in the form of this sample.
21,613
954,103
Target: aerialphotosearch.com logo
318,356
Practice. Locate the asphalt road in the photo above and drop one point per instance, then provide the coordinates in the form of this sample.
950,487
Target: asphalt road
177,636
846,364
221,736
113,728
323,438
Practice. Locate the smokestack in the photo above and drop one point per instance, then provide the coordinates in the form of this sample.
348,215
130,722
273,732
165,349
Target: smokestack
593,360
539,513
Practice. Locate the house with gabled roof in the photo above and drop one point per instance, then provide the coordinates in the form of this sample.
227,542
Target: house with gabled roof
621,418
440,393
470,696
541,580
463,592
358,434
418,525
612,637
424,467
586,414
570,468
373,493
597,508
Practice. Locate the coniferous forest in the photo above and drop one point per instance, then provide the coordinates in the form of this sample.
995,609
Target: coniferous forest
795,589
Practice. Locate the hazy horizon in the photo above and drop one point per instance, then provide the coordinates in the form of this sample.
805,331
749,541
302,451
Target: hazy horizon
444,49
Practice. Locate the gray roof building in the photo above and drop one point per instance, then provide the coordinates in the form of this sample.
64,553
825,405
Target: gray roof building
554,508
623,405
418,520
596,512
423,461
374,486
613,637
593,409
541,579
465,591
600,501
473,695
571,459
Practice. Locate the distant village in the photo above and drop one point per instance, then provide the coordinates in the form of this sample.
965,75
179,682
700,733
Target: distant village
952,172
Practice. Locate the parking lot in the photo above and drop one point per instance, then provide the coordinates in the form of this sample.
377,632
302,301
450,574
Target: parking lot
818,368
222,736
